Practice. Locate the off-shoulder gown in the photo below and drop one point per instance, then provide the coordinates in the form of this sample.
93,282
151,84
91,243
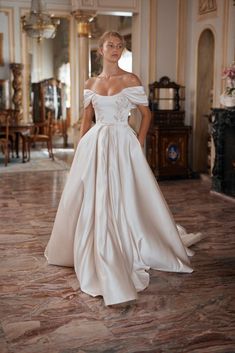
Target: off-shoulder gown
113,223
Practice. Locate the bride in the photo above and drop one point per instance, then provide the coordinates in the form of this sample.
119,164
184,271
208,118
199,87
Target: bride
113,223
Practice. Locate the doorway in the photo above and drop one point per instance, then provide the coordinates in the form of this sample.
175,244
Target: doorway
204,102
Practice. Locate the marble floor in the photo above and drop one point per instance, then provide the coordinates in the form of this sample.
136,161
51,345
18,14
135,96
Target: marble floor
42,309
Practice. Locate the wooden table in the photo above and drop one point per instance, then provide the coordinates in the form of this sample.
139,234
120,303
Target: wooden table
18,129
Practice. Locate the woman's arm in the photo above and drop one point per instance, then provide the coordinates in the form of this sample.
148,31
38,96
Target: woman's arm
133,80
86,120
145,123
88,113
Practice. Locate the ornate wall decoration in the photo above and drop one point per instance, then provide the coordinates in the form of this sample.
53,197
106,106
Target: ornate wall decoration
206,6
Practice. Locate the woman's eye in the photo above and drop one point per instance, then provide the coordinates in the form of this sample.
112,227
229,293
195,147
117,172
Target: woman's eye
119,46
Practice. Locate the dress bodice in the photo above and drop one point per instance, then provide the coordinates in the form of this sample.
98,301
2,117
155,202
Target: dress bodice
115,109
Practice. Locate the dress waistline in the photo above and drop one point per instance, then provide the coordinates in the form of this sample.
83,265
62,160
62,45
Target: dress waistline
120,123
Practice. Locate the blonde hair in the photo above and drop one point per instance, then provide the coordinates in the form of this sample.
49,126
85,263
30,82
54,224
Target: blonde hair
106,35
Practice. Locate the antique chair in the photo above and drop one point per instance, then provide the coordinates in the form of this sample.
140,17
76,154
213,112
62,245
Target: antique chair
5,142
40,132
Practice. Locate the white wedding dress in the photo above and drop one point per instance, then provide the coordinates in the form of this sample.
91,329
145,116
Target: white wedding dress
113,223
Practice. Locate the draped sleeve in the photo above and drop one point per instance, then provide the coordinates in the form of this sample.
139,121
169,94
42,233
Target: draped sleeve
136,95
88,94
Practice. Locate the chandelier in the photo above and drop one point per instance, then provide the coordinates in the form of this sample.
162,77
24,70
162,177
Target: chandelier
38,23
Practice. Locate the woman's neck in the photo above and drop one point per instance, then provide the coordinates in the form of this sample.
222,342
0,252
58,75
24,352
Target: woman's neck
110,70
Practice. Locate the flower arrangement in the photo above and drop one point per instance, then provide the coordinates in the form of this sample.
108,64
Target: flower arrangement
229,75
228,96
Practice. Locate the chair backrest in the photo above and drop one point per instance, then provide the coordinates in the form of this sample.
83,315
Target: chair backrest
5,118
45,127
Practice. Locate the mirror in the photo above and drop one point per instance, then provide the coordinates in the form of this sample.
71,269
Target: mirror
165,98
48,64
166,95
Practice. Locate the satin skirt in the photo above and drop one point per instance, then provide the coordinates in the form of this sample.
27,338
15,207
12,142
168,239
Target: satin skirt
113,223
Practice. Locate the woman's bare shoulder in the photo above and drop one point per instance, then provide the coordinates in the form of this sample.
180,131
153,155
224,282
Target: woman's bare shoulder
90,83
131,80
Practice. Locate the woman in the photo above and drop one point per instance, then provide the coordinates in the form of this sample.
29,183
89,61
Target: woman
113,223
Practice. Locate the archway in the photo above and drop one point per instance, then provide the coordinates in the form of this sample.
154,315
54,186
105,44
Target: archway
205,74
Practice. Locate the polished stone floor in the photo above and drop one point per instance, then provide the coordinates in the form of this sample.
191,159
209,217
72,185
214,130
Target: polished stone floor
42,309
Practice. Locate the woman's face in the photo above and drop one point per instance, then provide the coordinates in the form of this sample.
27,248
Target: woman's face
112,49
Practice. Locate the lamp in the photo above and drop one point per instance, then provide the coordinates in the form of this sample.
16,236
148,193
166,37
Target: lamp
38,23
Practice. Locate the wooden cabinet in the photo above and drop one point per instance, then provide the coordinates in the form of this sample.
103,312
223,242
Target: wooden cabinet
168,137
49,96
167,151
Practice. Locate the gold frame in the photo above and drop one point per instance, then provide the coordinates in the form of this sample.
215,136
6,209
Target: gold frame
206,6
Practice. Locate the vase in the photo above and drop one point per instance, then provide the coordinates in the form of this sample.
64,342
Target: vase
227,101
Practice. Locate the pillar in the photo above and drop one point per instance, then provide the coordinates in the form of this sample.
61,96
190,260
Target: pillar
17,86
83,19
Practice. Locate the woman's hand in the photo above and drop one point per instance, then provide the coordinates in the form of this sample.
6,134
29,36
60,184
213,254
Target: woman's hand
145,123
141,142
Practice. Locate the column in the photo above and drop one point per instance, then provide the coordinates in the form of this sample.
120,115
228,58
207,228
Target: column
153,41
181,42
17,86
83,19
